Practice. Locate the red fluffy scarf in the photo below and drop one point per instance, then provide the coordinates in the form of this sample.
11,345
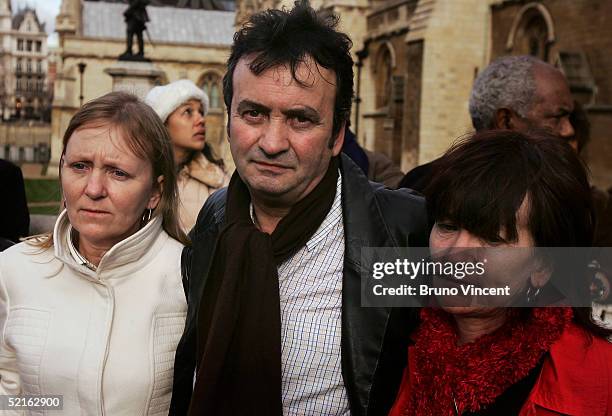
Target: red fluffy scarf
473,375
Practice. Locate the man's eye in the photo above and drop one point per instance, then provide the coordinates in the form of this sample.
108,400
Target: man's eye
447,227
188,111
252,115
301,122
78,166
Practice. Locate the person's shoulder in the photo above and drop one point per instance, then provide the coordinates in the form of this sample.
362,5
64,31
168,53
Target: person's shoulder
20,259
399,202
27,249
212,213
402,210
419,177
9,170
5,165
576,377
382,169
404,213
578,342
401,194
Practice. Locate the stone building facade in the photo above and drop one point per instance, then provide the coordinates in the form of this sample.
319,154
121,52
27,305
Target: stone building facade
23,65
419,61
189,42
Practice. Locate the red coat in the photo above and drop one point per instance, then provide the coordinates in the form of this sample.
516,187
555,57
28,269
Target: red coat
576,379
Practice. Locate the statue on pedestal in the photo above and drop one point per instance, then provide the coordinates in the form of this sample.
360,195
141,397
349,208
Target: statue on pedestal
136,18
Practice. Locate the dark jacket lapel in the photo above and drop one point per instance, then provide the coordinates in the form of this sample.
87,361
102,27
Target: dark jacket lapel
375,340
363,329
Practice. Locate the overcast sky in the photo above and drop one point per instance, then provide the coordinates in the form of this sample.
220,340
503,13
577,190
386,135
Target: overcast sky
46,11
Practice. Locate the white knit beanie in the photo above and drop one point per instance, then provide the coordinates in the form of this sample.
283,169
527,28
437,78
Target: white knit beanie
167,98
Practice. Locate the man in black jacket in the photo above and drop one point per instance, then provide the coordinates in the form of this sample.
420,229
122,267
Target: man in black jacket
275,323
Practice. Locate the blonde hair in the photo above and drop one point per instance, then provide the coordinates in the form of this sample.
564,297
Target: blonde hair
146,136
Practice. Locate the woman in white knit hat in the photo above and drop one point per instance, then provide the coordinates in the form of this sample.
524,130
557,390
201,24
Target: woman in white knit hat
182,106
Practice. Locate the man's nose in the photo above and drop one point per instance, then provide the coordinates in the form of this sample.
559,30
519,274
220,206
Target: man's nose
566,130
274,139
96,185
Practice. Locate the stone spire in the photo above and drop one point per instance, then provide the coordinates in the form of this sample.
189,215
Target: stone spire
68,21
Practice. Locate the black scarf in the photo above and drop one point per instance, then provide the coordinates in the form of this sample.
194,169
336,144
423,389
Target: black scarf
239,326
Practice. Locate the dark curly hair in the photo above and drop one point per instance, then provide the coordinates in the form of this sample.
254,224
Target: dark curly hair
279,37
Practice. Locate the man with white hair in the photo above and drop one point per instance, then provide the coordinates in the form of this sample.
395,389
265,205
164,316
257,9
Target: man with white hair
519,93
522,93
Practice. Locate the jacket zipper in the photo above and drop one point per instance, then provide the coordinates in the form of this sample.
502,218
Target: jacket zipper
108,332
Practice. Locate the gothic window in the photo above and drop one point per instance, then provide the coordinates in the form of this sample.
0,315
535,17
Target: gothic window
383,77
534,39
532,32
211,84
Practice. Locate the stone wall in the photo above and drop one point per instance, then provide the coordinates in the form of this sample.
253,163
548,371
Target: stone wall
439,47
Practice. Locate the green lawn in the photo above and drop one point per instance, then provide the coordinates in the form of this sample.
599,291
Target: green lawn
42,190
45,210
43,196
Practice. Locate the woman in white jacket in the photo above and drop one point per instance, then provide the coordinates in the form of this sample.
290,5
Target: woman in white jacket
182,106
94,311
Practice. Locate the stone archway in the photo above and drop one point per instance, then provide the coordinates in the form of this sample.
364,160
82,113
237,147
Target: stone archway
532,32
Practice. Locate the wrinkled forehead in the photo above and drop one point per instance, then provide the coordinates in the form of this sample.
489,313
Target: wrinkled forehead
104,135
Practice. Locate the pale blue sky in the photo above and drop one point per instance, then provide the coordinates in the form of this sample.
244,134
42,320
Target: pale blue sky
46,11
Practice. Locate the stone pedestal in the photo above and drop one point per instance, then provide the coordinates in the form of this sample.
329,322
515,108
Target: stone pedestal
136,77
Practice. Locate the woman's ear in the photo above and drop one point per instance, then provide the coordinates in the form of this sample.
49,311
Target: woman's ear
156,193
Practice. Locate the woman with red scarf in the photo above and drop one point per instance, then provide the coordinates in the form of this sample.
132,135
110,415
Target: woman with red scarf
512,192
